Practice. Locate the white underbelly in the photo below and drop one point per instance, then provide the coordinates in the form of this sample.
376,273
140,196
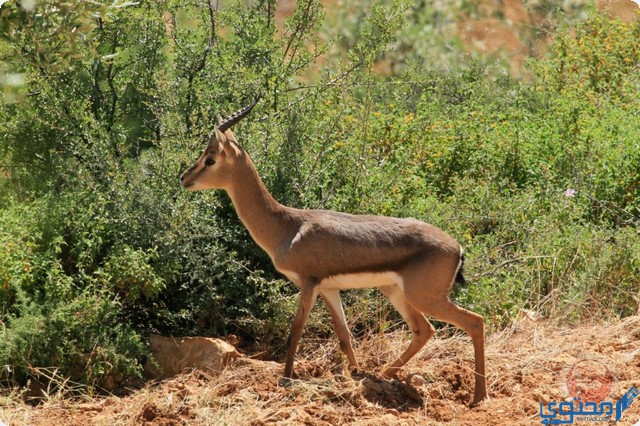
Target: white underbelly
361,280
356,280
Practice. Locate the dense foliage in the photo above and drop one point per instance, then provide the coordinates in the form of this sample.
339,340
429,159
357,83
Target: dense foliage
104,106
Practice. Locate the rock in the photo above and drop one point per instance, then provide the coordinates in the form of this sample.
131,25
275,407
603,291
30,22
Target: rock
562,362
109,383
530,315
416,381
435,393
36,392
175,355
540,397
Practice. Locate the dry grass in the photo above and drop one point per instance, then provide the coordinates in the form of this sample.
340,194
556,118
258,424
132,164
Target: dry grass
526,365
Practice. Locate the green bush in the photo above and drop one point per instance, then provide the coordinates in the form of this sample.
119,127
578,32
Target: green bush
54,319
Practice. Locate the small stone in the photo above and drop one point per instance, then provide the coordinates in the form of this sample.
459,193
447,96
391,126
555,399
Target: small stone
109,383
417,381
539,396
435,393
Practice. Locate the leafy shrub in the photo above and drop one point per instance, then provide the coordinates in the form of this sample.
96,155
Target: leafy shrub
53,319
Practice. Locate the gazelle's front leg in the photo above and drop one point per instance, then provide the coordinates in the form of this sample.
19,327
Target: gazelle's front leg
308,295
332,299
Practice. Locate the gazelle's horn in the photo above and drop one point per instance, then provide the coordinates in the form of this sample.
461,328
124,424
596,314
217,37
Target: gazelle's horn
236,116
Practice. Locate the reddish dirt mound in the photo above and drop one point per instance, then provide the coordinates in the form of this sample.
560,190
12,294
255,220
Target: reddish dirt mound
528,364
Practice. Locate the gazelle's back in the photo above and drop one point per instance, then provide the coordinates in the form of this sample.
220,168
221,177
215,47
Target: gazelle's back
331,243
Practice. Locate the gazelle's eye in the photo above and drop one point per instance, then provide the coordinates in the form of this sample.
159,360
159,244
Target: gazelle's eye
209,162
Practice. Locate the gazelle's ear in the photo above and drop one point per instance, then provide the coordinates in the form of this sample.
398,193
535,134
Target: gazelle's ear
221,138
224,144
230,136
228,143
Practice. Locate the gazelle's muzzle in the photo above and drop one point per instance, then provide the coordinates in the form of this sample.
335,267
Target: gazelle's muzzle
186,183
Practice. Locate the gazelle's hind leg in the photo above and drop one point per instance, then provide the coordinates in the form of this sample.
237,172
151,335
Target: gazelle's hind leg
470,322
421,329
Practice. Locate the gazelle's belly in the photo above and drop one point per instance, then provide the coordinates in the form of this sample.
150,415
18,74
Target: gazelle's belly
356,280
362,280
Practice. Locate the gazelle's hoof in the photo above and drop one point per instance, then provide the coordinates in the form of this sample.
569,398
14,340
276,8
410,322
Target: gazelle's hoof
477,401
390,373
285,382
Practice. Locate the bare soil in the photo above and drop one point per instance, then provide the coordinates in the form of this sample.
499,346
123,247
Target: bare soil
527,364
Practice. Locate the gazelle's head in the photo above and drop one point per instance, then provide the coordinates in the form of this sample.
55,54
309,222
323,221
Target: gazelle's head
215,167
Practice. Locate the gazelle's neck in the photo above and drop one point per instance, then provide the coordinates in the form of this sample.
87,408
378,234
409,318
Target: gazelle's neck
264,217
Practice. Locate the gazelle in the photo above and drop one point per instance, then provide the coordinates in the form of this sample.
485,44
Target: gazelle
413,263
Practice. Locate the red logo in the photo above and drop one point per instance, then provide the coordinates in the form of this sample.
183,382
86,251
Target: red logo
589,380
